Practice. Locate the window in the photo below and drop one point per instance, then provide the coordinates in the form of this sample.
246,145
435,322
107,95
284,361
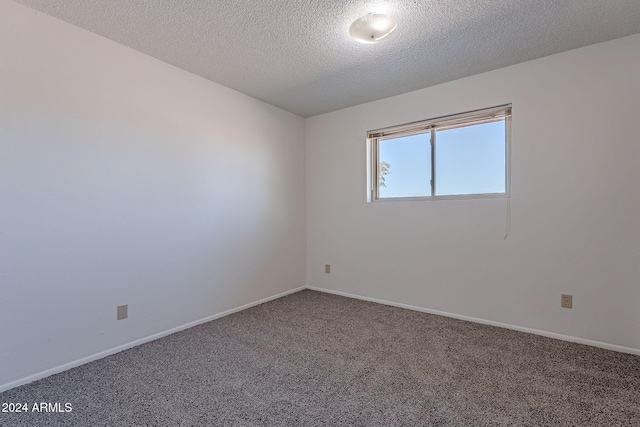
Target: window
460,156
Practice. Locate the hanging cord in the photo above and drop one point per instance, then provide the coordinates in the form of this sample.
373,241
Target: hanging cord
506,233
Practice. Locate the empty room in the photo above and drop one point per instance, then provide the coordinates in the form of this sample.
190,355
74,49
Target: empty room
363,213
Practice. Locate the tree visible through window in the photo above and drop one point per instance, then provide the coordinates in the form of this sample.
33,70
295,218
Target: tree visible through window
449,157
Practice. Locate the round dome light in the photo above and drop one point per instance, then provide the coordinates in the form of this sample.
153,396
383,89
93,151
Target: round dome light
372,28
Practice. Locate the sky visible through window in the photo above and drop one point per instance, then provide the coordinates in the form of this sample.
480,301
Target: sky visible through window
468,160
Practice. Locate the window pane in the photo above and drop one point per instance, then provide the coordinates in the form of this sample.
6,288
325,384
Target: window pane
404,167
471,159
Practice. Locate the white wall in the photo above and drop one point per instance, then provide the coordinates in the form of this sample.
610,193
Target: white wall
575,203
124,180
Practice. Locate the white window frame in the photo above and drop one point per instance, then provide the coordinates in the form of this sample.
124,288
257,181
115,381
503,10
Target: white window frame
469,118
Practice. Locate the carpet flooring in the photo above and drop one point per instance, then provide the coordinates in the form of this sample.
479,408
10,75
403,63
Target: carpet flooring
315,359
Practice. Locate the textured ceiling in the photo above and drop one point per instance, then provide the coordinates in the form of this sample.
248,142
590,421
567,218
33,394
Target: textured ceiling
297,55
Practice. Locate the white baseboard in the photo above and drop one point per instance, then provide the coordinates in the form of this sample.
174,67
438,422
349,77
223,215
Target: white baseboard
66,366
599,344
82,361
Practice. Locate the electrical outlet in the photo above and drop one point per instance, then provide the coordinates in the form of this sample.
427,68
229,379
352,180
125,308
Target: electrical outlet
327,268
122,312
566,301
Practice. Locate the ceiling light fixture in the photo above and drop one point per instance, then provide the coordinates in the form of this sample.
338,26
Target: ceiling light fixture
372,28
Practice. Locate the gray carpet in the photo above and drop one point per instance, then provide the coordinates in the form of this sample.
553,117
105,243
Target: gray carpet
317,359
